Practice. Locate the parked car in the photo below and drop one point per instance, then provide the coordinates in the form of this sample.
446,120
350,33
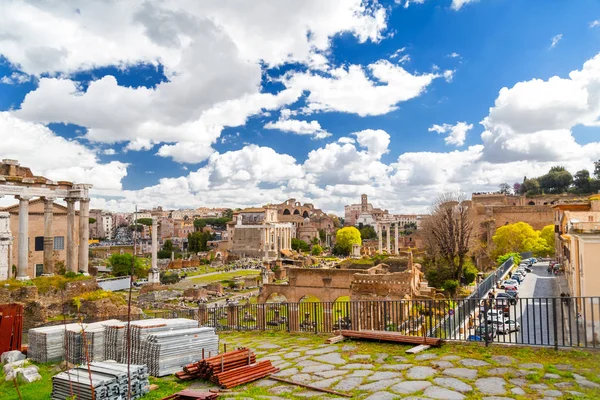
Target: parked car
509,282
140,282
513,293
481,331
505,326
511,299
518,277
494,314
511,287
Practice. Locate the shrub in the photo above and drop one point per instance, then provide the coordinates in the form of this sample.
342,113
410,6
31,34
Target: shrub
316,250
450,286
470,273
168,278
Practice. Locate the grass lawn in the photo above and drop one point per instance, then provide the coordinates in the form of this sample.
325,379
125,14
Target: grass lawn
224,276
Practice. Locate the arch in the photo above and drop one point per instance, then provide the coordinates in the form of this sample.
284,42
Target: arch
546,203
309,298
305,214
286,212
276,298
531,203
296,212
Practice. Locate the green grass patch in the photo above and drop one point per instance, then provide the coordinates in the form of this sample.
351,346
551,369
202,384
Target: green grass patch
224,276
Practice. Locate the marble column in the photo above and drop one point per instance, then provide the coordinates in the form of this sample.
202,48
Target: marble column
396,250
5,244
154,274
84,235
388,239
23,260
71,243
379,234
48,236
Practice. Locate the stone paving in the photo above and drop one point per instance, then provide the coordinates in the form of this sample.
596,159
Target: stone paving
348,368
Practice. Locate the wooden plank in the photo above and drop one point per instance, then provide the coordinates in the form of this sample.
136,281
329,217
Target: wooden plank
334,339
418,349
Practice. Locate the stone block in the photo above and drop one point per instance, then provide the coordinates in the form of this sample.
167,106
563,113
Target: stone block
29,374
11,356
17,364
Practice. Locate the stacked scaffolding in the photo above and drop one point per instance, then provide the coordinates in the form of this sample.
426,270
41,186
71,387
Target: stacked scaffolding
47,344
94,334
107,381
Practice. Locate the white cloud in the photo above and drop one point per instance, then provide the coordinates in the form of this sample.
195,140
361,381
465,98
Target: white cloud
409,2
454,55
458,4
285,124
16,78
55,157
402,58
350,90
109,152
555,39
595,23
456,133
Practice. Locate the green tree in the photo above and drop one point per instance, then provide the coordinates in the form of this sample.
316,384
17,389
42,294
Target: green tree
322,235
450,286
168,278
346,237
504,188
228,213
557,180
163,254
92,220
582,181
199,224
518,238
317,250
120,265
197,241
145,221
597,169
411,226
547,234
368,232
516,258
470,273
530,187
300,245
137,228
168,245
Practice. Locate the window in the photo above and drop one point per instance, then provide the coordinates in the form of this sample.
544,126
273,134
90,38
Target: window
59,242
39,269
39,243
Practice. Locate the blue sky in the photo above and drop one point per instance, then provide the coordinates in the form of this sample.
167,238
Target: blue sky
183,105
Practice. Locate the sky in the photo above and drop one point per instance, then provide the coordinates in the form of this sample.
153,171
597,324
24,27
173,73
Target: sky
231,103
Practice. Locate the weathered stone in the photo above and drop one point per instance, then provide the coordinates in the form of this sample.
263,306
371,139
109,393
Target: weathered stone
293,354
331,358
378,385
551,376
563,385
399,359
268,346
503,360
348,384
322,350
13,365
491,385
396,367
330,374
539,386
280,389
302,378
471,362
272,357
574,393
408,387
436,392
360,373
265,383
450,358
309,393
564,367
287,372
383,375
454,384
502,371
348,347
465,373
381,396
317,368
420,373
360,357
518,382
29,374
357,366
588,384
552,393
426,356
442,364
531,366
381,358
325,383
281,364
307,363
496,398
11,356
518,391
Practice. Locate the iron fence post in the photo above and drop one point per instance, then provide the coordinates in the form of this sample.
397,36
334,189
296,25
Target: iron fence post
555,323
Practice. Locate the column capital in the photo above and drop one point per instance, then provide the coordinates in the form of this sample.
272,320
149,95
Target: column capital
84,200
23,197
49,198
70,200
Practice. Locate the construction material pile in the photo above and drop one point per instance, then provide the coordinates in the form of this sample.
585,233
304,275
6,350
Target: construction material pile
242,375
47,344
391,337
103,381
207,367
192,395
164,345
94,335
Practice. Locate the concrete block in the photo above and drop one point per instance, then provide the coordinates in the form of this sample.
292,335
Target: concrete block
11,356
29,374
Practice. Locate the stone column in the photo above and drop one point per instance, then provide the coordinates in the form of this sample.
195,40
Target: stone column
23,260
71,244
266,245
397,250
48,236
154,273
84,234
388,239
380,233
5,244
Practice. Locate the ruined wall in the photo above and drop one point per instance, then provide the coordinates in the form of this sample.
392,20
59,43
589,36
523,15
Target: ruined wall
178,264
247,241
394,286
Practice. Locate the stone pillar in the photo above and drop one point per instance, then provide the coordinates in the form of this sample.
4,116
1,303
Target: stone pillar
23,260
202,314
293,317
5,244
380,233
396,249
388,239
48,236
154,273
71,243
84,235
266,245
